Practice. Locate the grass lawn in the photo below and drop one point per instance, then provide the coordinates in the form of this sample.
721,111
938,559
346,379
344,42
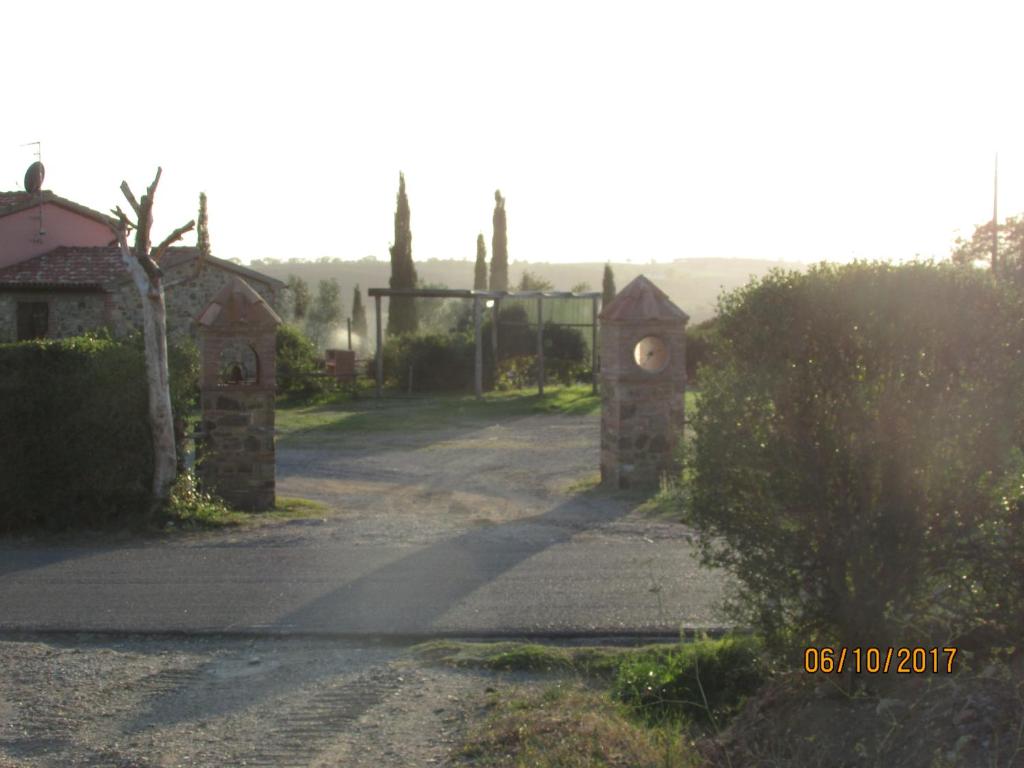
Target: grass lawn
302,423
299,423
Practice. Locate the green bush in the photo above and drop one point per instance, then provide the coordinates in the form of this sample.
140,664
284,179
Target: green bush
699,341
183,369
444,362
521,372
855,426
517,339
191,507
297,362
436,362
705,681
76,448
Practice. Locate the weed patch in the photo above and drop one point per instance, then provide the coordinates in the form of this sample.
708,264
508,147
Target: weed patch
569,727
596,661
190,508
704,682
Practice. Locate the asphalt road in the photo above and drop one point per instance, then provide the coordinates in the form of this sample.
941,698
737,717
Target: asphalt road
474,531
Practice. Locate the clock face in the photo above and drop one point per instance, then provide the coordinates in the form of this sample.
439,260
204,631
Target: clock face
651,354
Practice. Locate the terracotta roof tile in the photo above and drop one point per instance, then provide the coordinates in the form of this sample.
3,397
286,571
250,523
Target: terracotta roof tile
642,300
70,266
64,266
238,302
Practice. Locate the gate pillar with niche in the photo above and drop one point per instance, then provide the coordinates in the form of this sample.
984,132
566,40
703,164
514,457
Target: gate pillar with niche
643,385
237,341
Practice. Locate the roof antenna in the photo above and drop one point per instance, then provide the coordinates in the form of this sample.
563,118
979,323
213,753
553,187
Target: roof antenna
34,185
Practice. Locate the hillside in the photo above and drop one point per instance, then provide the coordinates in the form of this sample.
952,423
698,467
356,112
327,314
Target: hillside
693,284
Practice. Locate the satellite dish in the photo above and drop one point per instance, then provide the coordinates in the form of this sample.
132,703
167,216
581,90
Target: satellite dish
34,177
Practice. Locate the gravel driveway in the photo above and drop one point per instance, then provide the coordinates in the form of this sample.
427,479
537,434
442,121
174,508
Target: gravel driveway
137,702
477,529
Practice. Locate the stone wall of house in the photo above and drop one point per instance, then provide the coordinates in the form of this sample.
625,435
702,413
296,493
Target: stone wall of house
70,314
73,313
186,294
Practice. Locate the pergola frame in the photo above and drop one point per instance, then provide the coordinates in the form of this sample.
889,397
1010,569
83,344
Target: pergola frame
479,297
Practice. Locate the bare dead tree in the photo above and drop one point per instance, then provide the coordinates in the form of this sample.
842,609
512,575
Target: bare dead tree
143,263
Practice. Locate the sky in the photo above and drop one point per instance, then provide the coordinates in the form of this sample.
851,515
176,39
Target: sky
630,130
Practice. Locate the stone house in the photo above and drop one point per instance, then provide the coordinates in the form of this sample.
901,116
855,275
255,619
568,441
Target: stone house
70,288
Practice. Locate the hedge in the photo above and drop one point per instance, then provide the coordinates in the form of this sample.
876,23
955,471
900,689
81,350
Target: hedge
445,362
857,462
76,448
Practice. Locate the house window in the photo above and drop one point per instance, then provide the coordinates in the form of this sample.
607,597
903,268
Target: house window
33,319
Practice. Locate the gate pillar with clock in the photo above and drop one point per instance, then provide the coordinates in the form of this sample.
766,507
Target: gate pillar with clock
643,385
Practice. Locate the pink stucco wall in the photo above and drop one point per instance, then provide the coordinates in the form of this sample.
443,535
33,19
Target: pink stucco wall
20,239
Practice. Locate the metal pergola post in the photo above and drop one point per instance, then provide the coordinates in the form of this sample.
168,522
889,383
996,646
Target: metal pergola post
478,363
540,345
380,349
593,346
494,339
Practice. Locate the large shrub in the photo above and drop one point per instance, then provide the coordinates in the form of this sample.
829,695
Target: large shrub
297,364
444,362
699,340
855,429
435,362
77,450
76,447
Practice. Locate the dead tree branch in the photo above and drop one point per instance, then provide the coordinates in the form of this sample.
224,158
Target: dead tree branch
174,237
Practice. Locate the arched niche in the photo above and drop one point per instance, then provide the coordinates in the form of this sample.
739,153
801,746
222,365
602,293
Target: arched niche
238,364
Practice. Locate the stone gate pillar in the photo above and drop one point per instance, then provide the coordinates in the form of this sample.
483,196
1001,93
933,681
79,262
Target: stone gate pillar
237,347
643,385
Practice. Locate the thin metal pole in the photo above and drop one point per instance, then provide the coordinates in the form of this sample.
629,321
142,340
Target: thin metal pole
540,345
478,363
593,346
494,340
380,349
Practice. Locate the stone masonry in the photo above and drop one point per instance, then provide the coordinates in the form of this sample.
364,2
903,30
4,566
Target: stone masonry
236,452
74,308
642,410
187,291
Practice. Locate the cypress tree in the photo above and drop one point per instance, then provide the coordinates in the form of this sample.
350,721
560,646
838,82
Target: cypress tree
480,270
499,246
402,310
203,231
300,296
358,317
607,286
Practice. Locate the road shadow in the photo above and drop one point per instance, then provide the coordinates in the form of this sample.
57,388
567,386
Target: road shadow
407,596
410,594
19,556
